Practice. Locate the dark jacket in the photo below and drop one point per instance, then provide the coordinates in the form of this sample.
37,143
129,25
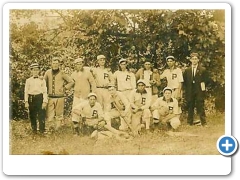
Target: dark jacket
201,76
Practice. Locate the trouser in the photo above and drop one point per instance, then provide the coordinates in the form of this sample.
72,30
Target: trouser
115,114
199,104
36,112
174,122
77,123
76,101
141,117
175,95
103,97
55,112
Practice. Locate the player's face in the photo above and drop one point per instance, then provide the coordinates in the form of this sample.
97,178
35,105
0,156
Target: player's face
194,60
35,71
170,63
141,87
123,66
167,94
101,62
147,65
112,91
55,65
79,65
92,100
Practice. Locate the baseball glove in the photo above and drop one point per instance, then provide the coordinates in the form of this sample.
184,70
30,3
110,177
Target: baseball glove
163,111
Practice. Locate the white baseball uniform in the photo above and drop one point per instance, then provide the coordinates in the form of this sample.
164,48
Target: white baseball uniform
125,81
172,107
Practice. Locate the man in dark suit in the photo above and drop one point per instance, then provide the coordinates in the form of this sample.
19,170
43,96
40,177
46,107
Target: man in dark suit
195,79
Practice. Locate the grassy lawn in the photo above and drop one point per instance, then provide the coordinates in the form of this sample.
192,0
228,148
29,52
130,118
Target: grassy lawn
193,140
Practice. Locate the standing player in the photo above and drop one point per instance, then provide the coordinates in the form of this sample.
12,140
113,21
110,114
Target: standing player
124,79
84,82
174,77
151,78
103,77
35,96
57,82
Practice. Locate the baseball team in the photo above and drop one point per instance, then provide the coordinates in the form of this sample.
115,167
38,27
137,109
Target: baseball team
117,103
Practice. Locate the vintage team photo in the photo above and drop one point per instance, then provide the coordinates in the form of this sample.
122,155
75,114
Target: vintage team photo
116,81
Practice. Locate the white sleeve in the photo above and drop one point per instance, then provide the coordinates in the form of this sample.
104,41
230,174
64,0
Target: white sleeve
26,90
180,76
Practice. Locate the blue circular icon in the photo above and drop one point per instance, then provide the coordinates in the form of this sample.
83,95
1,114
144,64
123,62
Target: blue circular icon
227,145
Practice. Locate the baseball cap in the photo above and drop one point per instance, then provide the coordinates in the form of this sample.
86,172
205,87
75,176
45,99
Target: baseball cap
34,65
78,60
122,60
141,81
100,57
167,88
92,94
170,57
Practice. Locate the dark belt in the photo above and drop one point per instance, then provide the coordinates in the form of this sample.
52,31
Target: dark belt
105,87
55,96
125,90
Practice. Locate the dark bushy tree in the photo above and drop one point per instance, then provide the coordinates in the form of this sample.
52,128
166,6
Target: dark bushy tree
40,35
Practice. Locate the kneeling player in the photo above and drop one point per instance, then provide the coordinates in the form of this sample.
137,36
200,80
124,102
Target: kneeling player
165,110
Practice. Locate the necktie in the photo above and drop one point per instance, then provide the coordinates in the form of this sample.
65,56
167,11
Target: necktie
193,74
35,77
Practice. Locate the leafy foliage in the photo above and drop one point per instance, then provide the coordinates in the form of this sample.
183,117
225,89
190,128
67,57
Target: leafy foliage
40,35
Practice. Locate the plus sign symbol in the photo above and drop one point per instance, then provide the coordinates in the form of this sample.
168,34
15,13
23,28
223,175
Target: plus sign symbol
227,145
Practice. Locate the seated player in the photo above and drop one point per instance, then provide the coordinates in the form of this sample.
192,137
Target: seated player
165,110
140,101
89,115
117,107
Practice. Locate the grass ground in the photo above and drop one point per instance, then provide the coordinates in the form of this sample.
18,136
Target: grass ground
193,140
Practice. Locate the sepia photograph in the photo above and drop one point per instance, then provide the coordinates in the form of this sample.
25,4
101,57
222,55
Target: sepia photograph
110,53
93,81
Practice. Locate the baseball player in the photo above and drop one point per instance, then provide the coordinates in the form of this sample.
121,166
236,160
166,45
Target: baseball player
35,96
151,78
89,113
57,82
165,110
118,106
103,77
174,77
84,83
140,101
124,79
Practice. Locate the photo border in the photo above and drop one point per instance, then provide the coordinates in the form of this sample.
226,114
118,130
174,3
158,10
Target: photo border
110,164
